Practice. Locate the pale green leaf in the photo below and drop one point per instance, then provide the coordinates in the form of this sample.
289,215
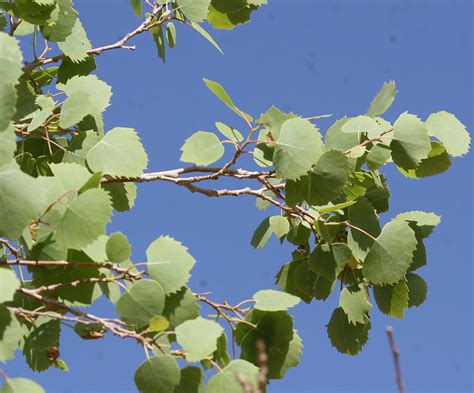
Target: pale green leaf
11,334
158,324
297,149
279,225
426,222
262,234
206,35
7,146
76,44
273,119
360,124
21,385
10,284
10,59
75,108
137,7
45,109
171,35
391,254
354,300
411,142
195,10
169,263
271,300
21,202
118,248
378,155
445,127
84,220
202,148
220,93
61,24
119,153
143,300
198,338
157,374
438,161
225,381
335,139
229,132
383,100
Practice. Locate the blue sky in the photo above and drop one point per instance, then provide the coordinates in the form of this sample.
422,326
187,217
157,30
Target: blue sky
310,57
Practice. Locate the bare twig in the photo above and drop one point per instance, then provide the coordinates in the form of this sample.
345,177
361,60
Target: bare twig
396,359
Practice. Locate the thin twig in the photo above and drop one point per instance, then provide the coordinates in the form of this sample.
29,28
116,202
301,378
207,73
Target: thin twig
396,359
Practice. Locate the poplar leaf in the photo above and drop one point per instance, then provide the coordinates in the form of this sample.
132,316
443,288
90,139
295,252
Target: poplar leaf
158,374
10,284
220,93
297,149
198,337
383,100
354,300
271,300
226,379
76,44
206,35
119,153
391,254
347,337
411,142
118,248
392,299
202,148
445,127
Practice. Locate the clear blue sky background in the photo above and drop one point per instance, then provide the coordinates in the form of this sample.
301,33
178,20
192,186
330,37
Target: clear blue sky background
310,57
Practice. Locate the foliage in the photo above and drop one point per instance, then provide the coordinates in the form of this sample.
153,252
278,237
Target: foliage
63,175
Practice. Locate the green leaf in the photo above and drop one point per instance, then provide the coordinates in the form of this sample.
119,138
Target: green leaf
84,220
279,225
169,263
328,178
445,127
383,100
180,307
144,300
378,155
391,254
271,300
10,284
220,93
118,248
8,98
225,381
229,132
297,149
202,148
19,205
262,234
98,92
392,299
137,7
345,336
360,124
7,146
10,59
62,22
21,385
191,381
329,259
42,336
297,278
158,374
38,117
158,37
411,142
354,300
363,216
11,333
76,44
198,337
426,222
335,139
438,161
75,108
417,290
69,69
119,153
222,355
158,324
298,234
273,119
171,35
195,10
332,208
275,329
206,35
123,195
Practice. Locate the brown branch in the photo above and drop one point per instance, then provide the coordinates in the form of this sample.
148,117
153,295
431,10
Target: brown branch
396,358
144,26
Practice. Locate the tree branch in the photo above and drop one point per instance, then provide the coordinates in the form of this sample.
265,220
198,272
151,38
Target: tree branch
396,359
